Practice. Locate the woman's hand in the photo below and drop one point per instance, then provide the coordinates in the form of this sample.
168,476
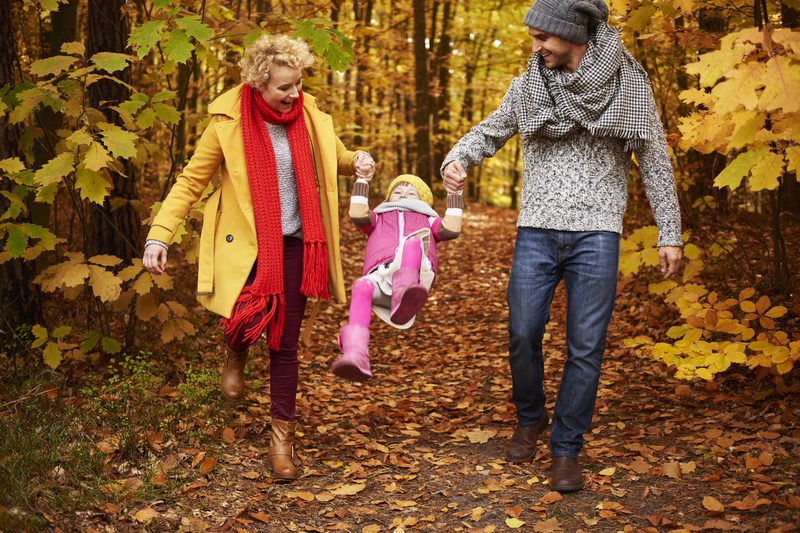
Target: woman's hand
154,259
454,177
365,166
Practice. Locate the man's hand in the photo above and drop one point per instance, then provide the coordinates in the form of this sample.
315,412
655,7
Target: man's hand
454,177
365,166
669,259
154,259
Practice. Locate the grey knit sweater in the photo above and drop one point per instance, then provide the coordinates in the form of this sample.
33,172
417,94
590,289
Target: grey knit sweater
578,182
287,185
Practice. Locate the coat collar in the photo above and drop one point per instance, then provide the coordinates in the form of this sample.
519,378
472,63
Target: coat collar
229,103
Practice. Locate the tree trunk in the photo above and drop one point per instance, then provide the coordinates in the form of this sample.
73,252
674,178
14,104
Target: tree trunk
790,18
20,299
422,134
115,224
364,16
441,112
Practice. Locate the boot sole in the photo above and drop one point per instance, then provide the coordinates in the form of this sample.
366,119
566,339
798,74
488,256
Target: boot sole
411,302
569,488
350,372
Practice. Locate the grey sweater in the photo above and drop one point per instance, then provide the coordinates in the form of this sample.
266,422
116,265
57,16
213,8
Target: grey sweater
578,182
287,184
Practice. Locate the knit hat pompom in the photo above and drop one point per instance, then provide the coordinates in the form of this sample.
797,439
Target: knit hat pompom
572,20
423,190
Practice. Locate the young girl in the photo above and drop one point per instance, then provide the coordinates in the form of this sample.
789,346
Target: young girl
399,265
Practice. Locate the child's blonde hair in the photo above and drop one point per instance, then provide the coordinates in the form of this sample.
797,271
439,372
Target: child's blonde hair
268,49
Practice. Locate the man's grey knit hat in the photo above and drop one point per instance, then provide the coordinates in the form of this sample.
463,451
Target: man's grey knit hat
572,20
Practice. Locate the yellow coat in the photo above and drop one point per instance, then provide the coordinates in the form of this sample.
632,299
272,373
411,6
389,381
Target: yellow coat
228,246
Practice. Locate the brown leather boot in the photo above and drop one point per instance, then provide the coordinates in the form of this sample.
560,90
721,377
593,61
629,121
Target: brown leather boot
233,375
522,445
281,449
565,474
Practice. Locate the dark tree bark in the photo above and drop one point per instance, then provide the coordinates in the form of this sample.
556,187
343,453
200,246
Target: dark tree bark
363,14
116,226
422,113
441,110
790,18
20,299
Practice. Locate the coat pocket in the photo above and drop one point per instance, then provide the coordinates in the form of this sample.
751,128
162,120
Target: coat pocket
205,269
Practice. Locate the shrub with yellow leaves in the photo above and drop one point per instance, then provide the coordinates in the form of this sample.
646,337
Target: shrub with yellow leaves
715,332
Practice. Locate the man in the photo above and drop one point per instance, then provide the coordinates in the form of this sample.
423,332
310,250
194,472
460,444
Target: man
582,107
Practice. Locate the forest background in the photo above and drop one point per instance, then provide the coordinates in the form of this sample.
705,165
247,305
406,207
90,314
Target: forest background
101,102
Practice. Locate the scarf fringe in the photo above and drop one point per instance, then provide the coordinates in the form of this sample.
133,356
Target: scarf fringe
248,306
315,270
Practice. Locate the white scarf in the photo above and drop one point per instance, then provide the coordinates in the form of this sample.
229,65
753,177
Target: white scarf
408,204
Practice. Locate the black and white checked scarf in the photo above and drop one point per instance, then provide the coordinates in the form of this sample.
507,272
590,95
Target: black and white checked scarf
608,94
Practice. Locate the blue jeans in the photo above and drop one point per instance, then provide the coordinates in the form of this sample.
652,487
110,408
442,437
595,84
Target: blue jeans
587,261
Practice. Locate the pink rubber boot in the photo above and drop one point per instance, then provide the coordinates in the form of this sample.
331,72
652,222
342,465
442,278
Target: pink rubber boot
408,295
353,364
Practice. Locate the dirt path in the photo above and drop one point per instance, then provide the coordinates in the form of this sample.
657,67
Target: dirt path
420,447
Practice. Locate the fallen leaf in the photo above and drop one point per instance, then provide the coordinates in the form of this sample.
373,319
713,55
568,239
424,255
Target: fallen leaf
207,465
514,523
608,471
550,525
551,497
228,435
325,496
251,475
514,512
481,436
145,515
198,458
372,528
476,514
349,490
672,470
713,504
261,517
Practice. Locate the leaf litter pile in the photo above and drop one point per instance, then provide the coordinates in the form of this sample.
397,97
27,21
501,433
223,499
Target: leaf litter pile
420,446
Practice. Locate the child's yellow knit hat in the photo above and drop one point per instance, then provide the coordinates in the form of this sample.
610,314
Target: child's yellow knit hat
423,190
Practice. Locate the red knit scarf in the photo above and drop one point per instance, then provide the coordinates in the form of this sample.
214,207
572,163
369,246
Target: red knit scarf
265,295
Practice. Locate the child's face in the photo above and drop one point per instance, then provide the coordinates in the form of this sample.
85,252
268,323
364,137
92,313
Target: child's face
404,191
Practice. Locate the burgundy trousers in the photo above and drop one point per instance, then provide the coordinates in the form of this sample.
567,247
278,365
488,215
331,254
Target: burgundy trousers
283,367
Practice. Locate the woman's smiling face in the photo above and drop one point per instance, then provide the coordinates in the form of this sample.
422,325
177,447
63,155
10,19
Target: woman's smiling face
282,88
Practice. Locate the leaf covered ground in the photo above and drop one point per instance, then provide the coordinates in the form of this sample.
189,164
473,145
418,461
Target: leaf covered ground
420,446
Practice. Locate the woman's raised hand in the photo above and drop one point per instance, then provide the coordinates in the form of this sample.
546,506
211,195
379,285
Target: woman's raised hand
154,258
365,166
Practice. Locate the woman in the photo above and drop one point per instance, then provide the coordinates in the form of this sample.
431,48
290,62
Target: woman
270,236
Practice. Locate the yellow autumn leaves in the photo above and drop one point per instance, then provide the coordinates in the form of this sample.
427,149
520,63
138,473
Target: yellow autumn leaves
715,332
747,106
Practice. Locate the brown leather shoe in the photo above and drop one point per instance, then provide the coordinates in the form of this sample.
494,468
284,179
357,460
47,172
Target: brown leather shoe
233,375
281,449
565,474
522,445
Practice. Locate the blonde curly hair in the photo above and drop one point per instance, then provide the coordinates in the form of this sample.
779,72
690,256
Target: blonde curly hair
269,49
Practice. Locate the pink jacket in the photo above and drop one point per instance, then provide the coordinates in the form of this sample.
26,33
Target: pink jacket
383,236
